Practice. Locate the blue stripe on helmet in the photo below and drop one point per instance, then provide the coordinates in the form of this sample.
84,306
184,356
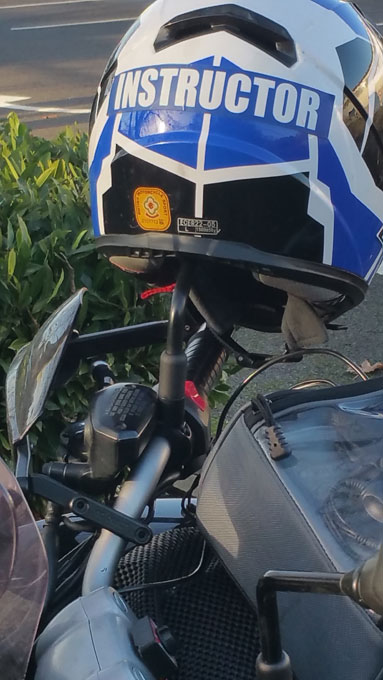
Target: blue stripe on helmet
102,151
174,134
354,223
252,143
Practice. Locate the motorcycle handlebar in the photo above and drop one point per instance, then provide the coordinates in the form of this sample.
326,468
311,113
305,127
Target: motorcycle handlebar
205,359
131,501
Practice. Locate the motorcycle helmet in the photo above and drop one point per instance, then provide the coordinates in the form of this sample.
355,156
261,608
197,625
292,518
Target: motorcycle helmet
247,136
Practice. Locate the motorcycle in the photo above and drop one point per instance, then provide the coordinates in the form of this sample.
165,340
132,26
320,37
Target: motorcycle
131,578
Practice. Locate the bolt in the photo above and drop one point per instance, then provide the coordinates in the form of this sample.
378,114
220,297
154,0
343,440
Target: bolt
80,505
141,535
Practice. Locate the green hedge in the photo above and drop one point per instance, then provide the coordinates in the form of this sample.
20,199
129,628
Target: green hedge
47,253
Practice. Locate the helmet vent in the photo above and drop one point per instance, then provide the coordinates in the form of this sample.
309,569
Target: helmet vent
256,29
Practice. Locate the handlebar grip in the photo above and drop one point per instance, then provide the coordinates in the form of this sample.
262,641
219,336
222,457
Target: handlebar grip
205,359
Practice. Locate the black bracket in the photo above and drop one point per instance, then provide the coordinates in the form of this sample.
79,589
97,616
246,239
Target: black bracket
131,530
272,662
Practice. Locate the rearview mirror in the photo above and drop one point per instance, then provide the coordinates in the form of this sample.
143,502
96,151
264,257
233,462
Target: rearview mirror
34,367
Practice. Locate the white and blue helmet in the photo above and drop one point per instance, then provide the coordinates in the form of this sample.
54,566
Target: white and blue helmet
246,134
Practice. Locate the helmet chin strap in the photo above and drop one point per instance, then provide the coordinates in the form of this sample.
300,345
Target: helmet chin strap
302,325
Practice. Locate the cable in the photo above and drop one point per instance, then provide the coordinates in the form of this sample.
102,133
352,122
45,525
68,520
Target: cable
315,382
186,504
50,540
70,561
286,356
68,591
165,483
171,582
69,582
69,588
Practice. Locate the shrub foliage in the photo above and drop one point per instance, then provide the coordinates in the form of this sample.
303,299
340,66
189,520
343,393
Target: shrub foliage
47,253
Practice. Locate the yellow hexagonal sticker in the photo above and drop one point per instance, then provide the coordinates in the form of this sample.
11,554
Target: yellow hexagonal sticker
152,208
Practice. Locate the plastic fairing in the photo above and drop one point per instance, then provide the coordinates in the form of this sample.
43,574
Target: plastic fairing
23,578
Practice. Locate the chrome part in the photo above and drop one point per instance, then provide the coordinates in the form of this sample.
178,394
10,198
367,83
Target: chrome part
316,382
132,499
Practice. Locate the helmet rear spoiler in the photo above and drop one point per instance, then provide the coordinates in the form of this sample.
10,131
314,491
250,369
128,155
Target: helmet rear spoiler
250,26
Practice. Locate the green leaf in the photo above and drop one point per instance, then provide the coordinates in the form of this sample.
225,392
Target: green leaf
11,167
46,290
79,238
49,172
14,124
51,406
11,262
4,442
10,235
24,231
57,286
17,344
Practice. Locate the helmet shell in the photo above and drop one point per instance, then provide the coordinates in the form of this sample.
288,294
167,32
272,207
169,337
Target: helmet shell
249,133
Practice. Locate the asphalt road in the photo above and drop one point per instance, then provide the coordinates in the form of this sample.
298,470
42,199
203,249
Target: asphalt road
373,9
52,53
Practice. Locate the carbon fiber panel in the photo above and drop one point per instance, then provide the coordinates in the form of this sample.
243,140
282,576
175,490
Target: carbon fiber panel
214,625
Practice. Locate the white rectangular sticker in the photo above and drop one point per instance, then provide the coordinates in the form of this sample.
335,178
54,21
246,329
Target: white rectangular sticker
197,227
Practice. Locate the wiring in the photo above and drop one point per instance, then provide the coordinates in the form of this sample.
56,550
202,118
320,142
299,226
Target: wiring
71,560
170,582
282,358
